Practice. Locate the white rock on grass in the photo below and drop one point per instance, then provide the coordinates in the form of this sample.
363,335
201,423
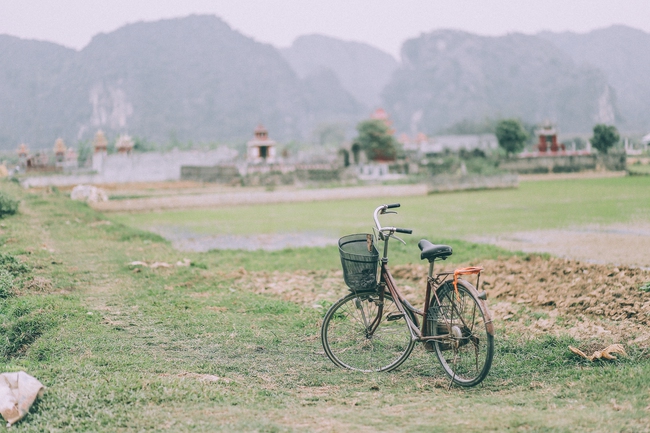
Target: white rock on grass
88,193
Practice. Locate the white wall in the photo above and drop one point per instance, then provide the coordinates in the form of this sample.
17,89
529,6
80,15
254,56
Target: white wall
137,167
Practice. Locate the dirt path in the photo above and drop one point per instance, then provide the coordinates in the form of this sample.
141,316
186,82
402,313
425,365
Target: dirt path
566,176
184,239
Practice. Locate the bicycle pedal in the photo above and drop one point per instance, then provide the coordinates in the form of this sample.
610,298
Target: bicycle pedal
391,317
482,295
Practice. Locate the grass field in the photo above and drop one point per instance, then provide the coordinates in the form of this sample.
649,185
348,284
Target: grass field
190,349
534,205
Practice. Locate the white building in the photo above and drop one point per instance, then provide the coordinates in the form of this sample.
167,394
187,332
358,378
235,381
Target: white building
261,148
454,143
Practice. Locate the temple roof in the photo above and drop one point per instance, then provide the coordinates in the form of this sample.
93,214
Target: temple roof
546,129
100,143
261,137
59,146
124,143
22,149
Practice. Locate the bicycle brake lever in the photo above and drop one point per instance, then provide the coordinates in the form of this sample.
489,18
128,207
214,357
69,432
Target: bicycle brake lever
399,239
390,211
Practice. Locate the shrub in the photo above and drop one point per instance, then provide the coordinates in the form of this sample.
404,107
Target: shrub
8,206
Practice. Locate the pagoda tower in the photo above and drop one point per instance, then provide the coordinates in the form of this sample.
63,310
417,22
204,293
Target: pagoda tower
124,144
261,148
59,150
100,145
23,153
381,115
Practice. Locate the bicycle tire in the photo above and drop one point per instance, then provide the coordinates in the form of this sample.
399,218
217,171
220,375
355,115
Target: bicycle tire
344,334
467,352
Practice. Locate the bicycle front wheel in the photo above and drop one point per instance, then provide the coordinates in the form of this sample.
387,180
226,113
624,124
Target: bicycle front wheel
349,339
463,322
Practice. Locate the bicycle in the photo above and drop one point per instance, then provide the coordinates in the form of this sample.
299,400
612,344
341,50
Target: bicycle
374,328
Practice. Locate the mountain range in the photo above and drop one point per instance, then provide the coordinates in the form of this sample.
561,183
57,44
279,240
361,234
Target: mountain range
448,77
196,79
623,55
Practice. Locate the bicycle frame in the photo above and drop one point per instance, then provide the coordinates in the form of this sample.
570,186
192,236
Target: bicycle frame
418,331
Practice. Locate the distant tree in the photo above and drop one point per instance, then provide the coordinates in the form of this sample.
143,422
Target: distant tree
345,155
511,135
356,150
84,152
376,140
604,137
142,145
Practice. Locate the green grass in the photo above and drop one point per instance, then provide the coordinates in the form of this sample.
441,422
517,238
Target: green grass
534,205
187,349
292,259
638,169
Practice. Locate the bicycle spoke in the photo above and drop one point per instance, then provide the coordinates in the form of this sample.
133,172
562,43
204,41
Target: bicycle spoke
349,342
467,349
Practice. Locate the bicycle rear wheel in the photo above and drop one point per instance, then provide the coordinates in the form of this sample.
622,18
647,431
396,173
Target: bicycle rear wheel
349,342
467,349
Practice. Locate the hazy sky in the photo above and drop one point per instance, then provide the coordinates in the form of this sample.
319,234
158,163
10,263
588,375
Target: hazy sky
381,23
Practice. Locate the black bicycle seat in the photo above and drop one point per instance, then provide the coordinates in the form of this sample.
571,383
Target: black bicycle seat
432,252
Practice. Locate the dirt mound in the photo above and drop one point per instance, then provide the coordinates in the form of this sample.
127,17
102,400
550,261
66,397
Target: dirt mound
535,295
529,295
566,285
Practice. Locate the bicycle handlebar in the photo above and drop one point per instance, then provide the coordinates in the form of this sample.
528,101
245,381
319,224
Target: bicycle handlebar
382,209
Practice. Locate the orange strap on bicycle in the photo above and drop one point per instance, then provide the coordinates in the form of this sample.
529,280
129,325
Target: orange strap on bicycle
464,271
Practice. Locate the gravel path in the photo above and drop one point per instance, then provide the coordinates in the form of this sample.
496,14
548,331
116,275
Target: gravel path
185,240
259,197
624,244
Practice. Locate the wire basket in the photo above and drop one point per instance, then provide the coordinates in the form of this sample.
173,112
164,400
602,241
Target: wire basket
359,259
